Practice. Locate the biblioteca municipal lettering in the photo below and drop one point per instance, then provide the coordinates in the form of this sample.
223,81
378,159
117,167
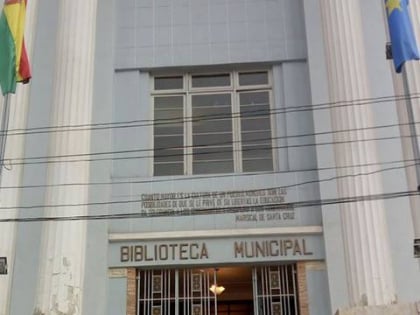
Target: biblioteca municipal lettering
201,250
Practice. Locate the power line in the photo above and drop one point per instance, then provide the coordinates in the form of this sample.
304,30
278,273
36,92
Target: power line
7,161
60,157
306,135
284,137
187,178
264,112
224,210
212,176
201,195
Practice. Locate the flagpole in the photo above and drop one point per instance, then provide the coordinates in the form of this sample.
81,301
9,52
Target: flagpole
403,47
415,213
412,125
3,131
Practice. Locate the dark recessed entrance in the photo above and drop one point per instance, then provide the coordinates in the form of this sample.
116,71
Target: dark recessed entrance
238,298
240,290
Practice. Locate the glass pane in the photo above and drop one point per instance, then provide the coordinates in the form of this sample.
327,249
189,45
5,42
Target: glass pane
168,155
219,153
255,110
169,141
256,132
256,137
211,100
168,135
214,134
168,129
212,167
213,80
257,165
169,83
254,98
256,151
255,124
169,114
168,169
165,102
202,126
254,104
212,112
253,78
216,139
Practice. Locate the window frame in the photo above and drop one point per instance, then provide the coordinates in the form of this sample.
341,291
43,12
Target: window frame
234,89
184,132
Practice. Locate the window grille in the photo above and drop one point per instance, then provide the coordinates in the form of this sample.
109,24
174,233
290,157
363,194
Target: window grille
186,291
275,290
175,292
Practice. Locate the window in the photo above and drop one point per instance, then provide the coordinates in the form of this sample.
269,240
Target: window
212,123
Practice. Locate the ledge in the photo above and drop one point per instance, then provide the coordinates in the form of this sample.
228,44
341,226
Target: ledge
295,230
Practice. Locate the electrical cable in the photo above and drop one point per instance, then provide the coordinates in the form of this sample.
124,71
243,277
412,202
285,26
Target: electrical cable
210,176
60,157
285,137
264,112
201,195
225,210
179,147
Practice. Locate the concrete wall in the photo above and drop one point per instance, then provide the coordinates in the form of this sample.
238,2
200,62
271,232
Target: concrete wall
317,283
173,33
132,102
406,309
261,26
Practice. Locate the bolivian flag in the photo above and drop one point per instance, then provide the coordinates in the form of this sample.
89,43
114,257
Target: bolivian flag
14,63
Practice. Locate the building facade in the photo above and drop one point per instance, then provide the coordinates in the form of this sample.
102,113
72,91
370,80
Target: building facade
209,157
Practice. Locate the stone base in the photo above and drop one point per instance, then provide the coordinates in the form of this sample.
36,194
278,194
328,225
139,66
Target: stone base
394,309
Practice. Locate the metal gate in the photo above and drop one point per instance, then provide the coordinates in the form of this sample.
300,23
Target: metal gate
275,290
186,291
175,292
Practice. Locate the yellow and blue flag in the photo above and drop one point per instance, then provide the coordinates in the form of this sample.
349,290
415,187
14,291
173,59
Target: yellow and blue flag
403,41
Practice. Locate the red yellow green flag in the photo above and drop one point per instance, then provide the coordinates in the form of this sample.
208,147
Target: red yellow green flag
14,63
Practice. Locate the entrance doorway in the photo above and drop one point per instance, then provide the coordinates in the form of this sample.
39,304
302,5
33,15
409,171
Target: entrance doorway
238,297
239,290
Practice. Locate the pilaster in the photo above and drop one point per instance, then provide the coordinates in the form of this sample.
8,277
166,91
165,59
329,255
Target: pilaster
368,261
60,288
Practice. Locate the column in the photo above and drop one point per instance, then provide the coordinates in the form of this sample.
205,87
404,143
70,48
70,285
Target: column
13,176
60,288
368,262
